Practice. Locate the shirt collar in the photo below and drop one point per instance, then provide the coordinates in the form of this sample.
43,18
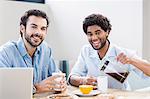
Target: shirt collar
22,49
111,51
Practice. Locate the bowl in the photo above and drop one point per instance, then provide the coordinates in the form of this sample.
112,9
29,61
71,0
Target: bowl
86,89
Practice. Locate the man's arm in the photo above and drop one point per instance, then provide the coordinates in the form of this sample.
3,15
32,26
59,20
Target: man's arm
78,75
139,63
75,80
78,80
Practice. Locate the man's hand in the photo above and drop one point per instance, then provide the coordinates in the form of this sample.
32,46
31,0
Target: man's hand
90,80
123,58
49,84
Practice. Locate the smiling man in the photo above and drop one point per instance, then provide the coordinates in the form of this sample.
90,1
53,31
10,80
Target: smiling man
93,56
31,51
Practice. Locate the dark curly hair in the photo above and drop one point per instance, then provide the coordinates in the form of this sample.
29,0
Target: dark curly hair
97,19
34,12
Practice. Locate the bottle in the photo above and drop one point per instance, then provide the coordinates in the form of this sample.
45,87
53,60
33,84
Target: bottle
114,70
64,67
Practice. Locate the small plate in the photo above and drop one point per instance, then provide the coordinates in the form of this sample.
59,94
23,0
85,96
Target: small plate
92,93
62,96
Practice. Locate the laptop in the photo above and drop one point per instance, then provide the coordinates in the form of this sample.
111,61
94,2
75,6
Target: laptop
16,83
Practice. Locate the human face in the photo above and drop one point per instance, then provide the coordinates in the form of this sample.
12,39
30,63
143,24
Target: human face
35,30
96,36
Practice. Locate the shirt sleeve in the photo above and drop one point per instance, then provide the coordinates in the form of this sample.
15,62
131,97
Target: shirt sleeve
134,69
80,66
135,74
52,67
4,59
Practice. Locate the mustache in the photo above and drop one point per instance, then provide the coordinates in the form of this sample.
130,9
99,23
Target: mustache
36,35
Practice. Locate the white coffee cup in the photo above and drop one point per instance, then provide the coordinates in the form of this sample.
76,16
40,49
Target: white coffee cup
58,79
102,83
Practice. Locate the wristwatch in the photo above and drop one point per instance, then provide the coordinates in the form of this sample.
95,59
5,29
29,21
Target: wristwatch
34,90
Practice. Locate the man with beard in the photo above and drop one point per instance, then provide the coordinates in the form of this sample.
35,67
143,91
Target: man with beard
94,55
30,51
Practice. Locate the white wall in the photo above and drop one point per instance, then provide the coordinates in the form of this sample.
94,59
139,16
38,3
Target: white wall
125,16
10,14
146,31
65,32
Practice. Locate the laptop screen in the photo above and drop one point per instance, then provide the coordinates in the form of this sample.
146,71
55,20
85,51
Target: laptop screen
16,83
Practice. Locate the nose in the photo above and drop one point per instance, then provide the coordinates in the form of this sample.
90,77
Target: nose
38,31
37,34
94,37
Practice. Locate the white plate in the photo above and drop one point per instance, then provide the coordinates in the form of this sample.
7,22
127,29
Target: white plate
92,93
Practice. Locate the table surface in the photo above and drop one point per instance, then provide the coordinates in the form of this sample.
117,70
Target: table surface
118,94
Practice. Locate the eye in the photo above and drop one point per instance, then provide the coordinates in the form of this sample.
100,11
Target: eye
97,33
89,34
43,29
33,27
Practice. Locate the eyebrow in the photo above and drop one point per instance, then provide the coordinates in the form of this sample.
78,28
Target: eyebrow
37,25
95,31
33,24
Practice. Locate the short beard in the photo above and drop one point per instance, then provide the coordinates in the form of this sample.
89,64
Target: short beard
102,45
28,39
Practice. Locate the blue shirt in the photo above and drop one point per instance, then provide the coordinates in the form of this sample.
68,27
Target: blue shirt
14,54
89,64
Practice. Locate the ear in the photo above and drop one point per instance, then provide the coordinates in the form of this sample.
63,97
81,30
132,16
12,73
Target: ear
22,28
107,34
